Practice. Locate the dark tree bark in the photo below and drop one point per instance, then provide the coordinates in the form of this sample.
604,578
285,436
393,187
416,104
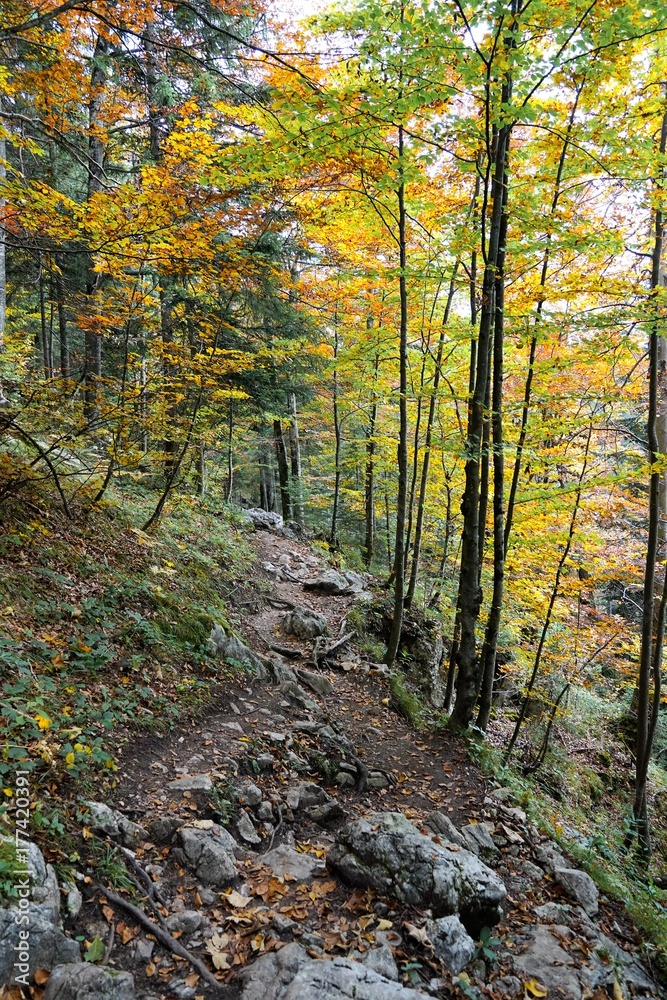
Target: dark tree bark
295,462
402,452
283,470
92,364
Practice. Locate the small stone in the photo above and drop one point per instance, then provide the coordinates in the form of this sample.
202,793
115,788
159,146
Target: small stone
265,811
345,780
83,980
191,783
187,921
327,813
283,926
234,727
102,819
451,942
285,860
163,828
265,762
207,896
143,949
508,986
319,683
250,793
312,940
479,840
376,779
246,829
580,887
381,960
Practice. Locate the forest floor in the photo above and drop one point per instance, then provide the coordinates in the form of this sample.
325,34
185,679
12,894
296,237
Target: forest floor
255,735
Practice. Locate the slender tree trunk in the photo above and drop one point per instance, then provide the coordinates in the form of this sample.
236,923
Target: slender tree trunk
490,646
333,534
369,538
230,453
387,521
44,339
650,659
402,453
169,445
3,250
63,333
469,578
283,470
92,364
295,461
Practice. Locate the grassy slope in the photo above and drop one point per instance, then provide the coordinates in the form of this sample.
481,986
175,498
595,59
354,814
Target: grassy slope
103,632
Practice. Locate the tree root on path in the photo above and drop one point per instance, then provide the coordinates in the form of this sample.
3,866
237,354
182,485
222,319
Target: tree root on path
161,935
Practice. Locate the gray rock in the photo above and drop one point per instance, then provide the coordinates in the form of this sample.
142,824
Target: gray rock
178,989
263,519
376,779
285,860
290,974
163,828
381,960
49,947
478,840
507,986
246,829
451,942
187,921
191,783
387,852
265,811
328,812
531,871
304,623
231,649
233,727
305,794
283,926
83,981
355,581
210,853
265,762
143,949
345,780
550,858
310,939
73,899
544,959
580,887
328,582
319,683
442,825
102,819
250,793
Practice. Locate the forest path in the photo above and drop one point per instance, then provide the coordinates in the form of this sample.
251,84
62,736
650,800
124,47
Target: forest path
252,750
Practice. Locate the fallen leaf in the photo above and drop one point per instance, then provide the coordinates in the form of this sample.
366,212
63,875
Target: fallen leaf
236,900
419,934
192,979
384,925
42,976
150,969
535,988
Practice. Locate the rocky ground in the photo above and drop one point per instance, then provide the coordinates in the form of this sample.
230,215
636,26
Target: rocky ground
303,840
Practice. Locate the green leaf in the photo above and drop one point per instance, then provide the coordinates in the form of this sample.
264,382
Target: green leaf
95,951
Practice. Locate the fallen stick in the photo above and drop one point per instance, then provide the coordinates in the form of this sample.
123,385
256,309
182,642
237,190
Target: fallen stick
148,882
323,654
161,935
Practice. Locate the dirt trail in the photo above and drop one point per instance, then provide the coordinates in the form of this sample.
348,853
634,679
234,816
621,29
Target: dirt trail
254,732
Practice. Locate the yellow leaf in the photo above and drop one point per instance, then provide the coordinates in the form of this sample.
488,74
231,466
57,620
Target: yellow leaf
42,721
534,988
384,925
70,758
236,900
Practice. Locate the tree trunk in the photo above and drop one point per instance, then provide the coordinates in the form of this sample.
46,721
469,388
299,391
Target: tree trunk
295,460
369,485
283,470
650,659
333,534
402,452
230,453
490,646
469,576
63,334
92,364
